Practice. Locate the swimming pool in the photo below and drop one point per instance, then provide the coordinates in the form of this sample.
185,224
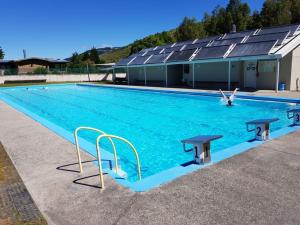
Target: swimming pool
154,121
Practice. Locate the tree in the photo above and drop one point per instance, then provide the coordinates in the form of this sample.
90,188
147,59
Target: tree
153,40
240,14
189,29
255,21
94,55
219,22
86,56
276,12
295,11
75,61
2,54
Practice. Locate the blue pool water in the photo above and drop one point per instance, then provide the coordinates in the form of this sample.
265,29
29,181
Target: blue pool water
154,122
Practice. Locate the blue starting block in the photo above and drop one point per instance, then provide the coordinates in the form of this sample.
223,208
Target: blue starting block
262,128
295,114
201,147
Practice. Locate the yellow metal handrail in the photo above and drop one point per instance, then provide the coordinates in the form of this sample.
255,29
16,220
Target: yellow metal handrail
99,155
78,150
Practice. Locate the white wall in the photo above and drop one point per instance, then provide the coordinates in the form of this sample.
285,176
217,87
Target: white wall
266,79
206,72
153,73
58,78
295,71
289,72
216,72
285,71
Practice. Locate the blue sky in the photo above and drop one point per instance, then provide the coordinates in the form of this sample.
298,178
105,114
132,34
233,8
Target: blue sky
57,28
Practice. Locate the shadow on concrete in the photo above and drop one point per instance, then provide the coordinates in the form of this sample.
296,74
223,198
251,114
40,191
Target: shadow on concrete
78,181
65,167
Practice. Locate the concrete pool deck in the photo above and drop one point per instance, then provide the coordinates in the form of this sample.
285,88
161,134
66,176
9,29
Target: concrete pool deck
260,186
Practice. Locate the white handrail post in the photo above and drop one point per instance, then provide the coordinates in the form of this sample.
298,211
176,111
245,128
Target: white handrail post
124,140
229,75
193,71
100,166
277,74
78,151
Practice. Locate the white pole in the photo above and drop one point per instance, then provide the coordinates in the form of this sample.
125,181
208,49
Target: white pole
128,75
145,75
166,70
193,71
229,74
277,74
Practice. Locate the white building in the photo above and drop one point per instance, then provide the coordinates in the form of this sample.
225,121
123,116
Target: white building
258,59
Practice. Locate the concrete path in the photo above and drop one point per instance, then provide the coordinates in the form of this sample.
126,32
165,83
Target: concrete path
261,186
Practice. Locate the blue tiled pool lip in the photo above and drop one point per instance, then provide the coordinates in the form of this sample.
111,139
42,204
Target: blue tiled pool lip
165,176
39,85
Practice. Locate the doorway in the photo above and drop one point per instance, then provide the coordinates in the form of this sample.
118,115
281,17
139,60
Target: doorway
250,71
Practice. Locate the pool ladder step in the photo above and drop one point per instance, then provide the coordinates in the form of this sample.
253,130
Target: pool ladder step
110,138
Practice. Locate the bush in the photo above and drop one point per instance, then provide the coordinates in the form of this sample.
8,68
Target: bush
40,70
11,72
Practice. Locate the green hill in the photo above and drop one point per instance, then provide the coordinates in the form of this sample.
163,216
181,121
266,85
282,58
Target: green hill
115,55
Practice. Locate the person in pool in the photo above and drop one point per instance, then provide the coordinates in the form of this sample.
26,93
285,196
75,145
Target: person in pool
229,99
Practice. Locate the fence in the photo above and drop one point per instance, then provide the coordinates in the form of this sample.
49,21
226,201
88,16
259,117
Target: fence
56,71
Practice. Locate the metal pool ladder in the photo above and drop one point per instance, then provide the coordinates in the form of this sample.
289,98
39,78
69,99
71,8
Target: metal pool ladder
109,137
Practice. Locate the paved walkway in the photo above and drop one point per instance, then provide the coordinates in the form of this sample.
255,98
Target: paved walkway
261,186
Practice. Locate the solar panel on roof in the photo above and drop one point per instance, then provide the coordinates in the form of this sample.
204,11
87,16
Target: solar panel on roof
139,60
169,50
140,53
268,37
290,28
136,54
157,59
163,46
238,35
154,52
184,43
208,39
212,52
227,41
124,62
181,55
252,49
258,44
195,46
